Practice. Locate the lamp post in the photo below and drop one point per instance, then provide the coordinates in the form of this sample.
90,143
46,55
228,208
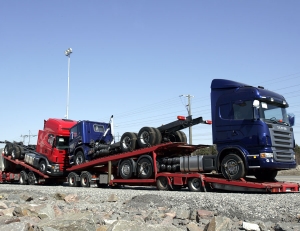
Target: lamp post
68,53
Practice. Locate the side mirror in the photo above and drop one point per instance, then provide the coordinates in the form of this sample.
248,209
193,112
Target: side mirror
256,103
71,135
291,118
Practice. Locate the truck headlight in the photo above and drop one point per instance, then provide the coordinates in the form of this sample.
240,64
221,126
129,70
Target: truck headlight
266,155
55,167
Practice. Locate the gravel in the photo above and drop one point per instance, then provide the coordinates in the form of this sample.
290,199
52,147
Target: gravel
244,206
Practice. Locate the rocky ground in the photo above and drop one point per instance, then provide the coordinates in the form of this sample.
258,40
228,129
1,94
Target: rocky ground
52,208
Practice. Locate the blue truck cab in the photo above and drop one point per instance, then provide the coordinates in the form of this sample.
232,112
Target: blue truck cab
85,137
252,130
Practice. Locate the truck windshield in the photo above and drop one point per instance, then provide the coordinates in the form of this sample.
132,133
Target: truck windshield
273,113
62,142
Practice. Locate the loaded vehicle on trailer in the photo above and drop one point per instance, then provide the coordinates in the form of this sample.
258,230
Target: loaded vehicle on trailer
252,130
249,142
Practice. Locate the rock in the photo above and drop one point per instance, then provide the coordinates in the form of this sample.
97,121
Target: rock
78,222
26,197
183,214
3,205
193,227
71,198
112,198
59,196
137,226
204,214
18,212
250,226
219,223
8,211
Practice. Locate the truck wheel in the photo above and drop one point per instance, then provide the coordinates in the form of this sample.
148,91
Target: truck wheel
146,137
43,166
72,179
32,178
195,185
16,153
23,178
158,136
266,175
8,149
79,158
232,167
128,142
145,168
162,183
183,137
85,179
126,169
176,137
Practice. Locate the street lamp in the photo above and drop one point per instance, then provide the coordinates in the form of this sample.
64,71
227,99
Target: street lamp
68,53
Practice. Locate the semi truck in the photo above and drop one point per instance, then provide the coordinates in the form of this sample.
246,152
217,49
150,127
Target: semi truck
250,142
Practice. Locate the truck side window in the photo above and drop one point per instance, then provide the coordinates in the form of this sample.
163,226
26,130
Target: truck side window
243,110
226,111
98,128
74,132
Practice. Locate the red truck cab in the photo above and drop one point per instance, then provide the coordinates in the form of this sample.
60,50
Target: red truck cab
53,141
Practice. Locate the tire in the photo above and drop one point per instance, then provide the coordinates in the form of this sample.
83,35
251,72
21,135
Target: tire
43,166
183,137
232,167
72,179
176,137
32,178
8,149
146,137
23,178
79,158
158,136
162,183
145,168
128,142
126,169
195,185
266,175
85,179
16,153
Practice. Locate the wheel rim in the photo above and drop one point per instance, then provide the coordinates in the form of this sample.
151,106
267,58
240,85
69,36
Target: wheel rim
145,137
126,169
232,167
144,169
43,167
195,184
79,159
163,182
126,142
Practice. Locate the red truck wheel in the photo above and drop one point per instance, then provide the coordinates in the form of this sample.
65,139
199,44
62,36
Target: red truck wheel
72,179
162,183
195,185
43,167
23,178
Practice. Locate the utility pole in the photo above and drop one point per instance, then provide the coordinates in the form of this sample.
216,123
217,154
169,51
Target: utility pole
29,135
189,109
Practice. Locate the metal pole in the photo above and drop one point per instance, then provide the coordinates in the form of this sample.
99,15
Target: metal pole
190,113
29,138
68,53
68,96
190,128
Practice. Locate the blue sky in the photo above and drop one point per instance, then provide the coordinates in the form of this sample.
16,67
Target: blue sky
133,59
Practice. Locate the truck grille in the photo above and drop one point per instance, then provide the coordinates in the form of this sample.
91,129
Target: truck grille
282,142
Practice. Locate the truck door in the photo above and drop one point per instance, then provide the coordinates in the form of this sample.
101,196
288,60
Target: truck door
75,137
